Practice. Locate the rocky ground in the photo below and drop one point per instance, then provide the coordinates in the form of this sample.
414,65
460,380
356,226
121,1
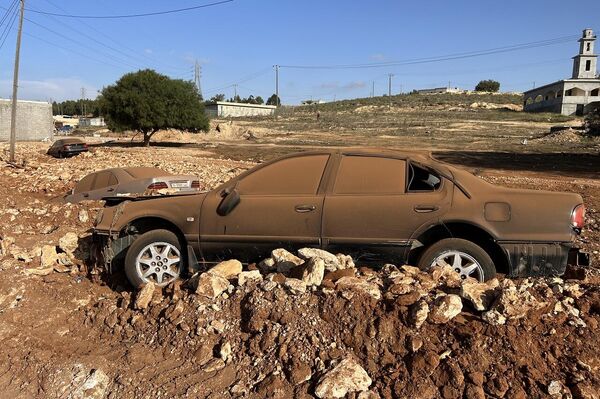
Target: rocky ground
310,324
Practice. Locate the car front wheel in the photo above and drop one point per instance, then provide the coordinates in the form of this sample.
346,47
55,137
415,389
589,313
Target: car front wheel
154,257
465,257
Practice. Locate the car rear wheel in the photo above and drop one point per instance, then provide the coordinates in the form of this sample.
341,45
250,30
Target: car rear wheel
154,257
465,257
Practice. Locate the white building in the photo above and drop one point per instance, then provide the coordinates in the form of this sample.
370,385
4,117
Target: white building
440,90
223,109
575,96
87,122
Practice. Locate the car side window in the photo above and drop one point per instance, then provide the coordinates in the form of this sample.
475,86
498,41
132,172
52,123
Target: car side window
370,175
103,180
421,179
85,184
297,175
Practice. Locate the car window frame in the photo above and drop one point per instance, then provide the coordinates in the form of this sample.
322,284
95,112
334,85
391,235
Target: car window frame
335,175
428,168
320,188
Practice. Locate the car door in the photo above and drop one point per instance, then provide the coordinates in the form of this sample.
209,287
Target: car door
280,205
369,212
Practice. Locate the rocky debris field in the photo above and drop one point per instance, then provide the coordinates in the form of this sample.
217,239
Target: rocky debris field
306,324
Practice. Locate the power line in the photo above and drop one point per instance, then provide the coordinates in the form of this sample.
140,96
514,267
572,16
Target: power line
131,15
118,43
8,11
243,80
497,50
9,25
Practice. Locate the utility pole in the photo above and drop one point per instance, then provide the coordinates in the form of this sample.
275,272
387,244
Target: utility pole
277,86
82,108
197,75
235,91
13,114
390,76
372,89
534,84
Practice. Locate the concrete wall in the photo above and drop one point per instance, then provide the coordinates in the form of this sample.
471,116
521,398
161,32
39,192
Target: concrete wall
233,110
34,120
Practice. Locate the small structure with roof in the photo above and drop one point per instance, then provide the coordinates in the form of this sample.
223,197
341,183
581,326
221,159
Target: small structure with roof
224,109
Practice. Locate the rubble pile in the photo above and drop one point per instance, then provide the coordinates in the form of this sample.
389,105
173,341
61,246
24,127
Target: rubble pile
315,324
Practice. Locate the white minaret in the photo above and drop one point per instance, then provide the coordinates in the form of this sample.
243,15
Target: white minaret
584,64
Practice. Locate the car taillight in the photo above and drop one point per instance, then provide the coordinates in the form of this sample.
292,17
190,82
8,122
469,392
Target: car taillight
85,146
196,184
578,217
66,147
158,185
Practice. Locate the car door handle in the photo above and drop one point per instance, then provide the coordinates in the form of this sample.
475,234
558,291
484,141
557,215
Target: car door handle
426,208
304,208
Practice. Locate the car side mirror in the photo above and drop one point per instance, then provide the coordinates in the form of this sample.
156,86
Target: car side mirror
231,198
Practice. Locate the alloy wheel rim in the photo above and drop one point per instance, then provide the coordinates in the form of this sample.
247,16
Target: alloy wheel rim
158,262
462,263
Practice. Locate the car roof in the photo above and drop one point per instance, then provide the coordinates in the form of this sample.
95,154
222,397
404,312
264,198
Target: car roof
424,156
68,141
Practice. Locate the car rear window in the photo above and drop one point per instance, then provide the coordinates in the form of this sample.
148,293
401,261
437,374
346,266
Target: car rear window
144,173
297,175
370,175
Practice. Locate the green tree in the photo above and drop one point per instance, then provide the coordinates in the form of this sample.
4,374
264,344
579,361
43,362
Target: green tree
488,85
274,100
592,121
146,101
259,100
217,97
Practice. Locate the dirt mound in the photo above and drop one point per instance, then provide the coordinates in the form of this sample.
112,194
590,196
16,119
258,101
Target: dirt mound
402,333
561,136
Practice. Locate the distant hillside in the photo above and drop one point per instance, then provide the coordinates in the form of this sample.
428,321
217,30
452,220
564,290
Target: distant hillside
420,100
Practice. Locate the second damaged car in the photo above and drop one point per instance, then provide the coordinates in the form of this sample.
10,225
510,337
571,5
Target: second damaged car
110,183
378,206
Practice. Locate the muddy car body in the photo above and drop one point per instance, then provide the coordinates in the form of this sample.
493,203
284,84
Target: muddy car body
379,206
129,181
67,147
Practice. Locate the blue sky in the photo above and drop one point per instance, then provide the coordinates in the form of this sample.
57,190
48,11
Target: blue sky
239,42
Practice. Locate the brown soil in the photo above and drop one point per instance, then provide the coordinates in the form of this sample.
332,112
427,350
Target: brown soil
75,332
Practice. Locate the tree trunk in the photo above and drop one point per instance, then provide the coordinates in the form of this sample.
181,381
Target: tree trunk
147,136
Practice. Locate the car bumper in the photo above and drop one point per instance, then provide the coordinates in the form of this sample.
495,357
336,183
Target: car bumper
542,259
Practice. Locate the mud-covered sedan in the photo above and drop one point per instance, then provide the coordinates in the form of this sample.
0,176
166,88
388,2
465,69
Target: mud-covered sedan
379,206
109,183
64,148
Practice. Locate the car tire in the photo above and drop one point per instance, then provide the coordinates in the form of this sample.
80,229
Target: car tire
473,261
151,258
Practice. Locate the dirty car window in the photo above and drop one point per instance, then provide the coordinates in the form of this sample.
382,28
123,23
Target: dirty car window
298,175
370,175
85,184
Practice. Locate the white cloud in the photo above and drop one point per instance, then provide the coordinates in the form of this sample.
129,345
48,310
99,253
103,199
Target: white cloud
378,57
57,89
148,51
